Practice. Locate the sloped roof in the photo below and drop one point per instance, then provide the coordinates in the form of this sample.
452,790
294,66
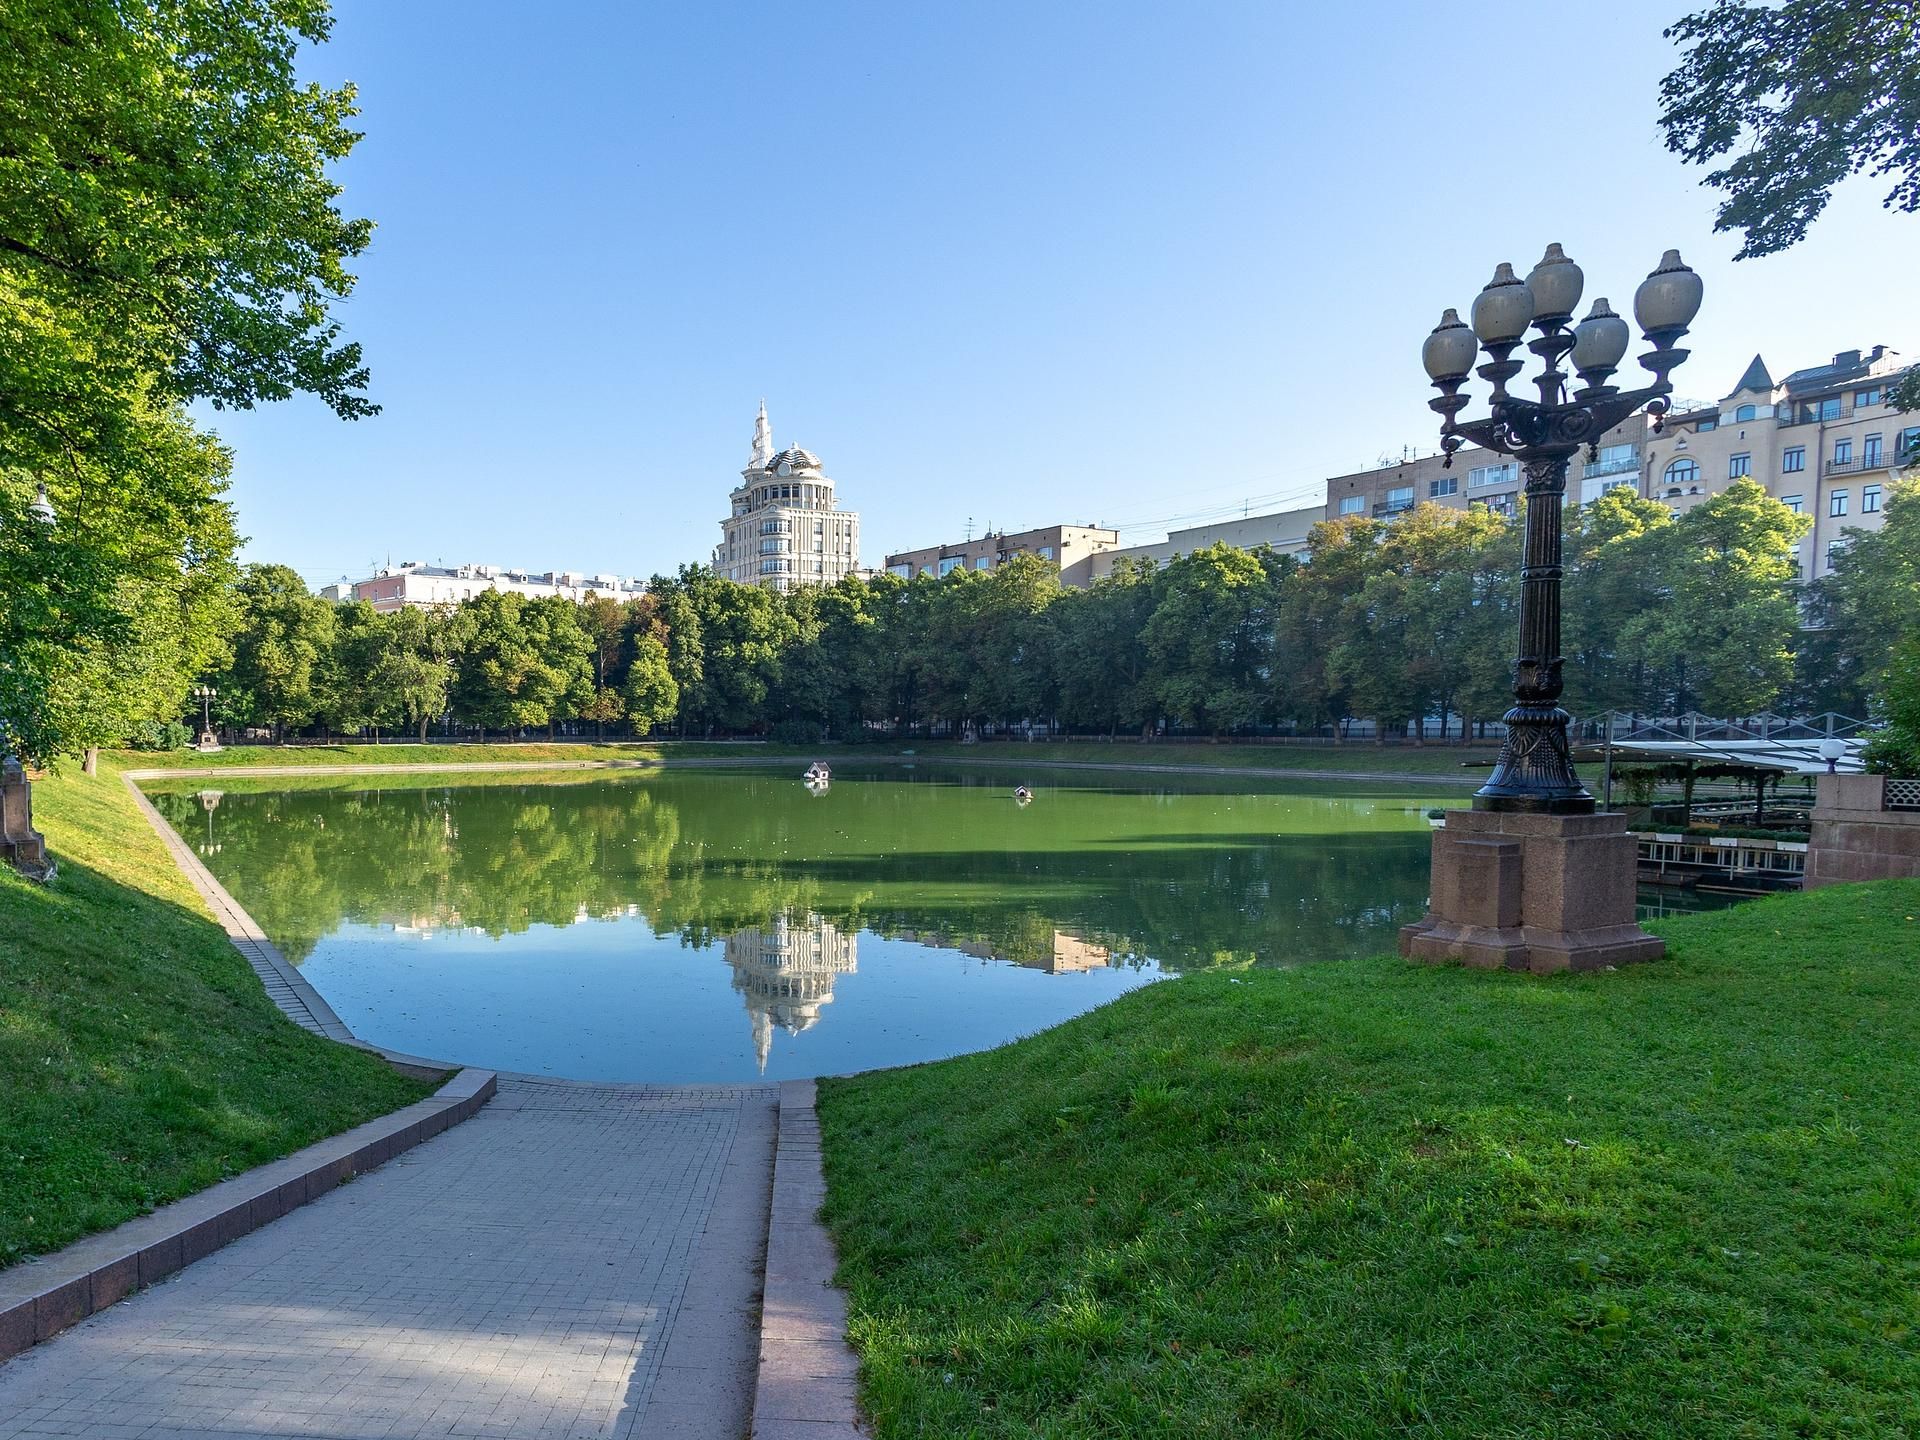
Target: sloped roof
1755,378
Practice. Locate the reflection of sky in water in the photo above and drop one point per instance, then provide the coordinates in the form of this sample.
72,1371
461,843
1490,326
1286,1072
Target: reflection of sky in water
610,1000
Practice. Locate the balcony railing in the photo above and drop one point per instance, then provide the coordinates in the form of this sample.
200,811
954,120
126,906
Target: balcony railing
1620,465
1391,507
1870,461
1799,417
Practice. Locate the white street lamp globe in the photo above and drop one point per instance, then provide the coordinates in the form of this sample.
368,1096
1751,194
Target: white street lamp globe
1600,341
1502,311
1669,298
1448,352
42,508
1556,283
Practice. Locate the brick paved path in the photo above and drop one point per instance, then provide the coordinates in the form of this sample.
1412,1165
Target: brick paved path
575,1261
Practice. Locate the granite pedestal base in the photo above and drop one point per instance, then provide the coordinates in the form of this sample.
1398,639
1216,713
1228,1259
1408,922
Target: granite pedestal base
1532,892
22,846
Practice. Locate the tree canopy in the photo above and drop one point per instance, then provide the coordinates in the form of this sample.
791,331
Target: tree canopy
1807,92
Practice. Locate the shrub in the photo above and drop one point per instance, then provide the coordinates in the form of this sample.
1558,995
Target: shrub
161,735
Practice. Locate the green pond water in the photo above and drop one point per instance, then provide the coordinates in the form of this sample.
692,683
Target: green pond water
707,925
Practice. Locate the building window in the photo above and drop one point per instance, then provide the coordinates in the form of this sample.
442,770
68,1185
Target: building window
1484,475
1352,504
905,572
1869,499
1682,472
1827,409
1400,497
1870,452
1501,505
985,562
1843,452
1046,552
1906,445
950,562
1445,485
1837,505
1869,396
1739,466
1708,422
1794,503
1745,412
1793,458
1835,549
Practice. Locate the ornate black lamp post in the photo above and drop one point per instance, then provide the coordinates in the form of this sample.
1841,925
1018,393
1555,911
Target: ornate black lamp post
1535,772
204,694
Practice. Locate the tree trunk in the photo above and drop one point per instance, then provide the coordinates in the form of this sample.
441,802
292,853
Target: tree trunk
90,760
423,729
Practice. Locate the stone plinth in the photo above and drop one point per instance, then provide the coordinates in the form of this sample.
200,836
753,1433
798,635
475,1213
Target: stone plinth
20,844
1855,837
1532,892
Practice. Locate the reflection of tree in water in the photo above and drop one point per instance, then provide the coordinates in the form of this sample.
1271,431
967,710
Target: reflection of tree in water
785,970
710,858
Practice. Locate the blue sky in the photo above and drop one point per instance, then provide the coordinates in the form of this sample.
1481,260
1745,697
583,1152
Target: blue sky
1010,264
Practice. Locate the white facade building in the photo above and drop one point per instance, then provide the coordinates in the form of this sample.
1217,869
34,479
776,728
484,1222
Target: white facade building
785,529
410,583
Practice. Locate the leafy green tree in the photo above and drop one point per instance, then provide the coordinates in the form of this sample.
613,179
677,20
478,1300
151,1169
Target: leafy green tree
1620,555
411,671
1724,636
1803,93
166,209
1895,749
743,632
1868,603
1209,641
109,613
651,694
1099,660
346,697
1312,618
278,673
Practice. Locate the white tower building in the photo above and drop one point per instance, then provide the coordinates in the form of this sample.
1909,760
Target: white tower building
785,529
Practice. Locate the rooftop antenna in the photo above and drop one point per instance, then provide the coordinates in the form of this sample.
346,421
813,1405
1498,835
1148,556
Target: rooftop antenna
969,527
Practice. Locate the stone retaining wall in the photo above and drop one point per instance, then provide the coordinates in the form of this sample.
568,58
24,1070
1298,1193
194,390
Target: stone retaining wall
1856,837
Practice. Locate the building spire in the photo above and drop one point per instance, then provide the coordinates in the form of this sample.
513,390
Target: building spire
762,441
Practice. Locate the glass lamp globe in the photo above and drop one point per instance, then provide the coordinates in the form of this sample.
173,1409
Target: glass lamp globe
1600,341
1448,352
1556,283
1669,298
1502,311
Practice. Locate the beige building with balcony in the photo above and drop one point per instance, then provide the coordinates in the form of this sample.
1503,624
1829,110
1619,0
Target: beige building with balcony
1823,441
1071,547
785,528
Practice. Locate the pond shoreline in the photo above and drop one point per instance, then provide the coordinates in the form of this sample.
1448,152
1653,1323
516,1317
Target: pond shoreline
427,767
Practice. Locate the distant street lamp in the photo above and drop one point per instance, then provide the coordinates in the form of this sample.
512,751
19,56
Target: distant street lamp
42,508
1535,771
204,694
1831,751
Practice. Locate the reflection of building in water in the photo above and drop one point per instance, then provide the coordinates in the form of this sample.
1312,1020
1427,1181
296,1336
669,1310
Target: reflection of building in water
786,971
1069,953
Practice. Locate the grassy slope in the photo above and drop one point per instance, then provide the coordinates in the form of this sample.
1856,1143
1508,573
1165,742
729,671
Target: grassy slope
1366,1197
1370,759
139,1058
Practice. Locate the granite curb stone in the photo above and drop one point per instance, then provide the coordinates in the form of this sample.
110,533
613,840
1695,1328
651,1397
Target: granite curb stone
40,1298
808,1373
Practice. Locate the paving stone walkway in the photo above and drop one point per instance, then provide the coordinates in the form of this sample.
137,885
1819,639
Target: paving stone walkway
575,1261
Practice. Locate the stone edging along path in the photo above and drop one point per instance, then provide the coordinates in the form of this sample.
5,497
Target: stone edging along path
39,1298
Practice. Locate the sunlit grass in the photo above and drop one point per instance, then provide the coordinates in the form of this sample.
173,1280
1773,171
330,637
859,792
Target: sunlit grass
1364,1198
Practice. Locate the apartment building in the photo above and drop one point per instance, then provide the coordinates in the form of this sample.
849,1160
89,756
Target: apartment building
1480,477
1284,531
1823,441
394,587
1071,547
784,528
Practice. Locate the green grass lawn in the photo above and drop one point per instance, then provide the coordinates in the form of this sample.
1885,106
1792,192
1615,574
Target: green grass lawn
1468,763
139,1058
407,753
1364,1198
